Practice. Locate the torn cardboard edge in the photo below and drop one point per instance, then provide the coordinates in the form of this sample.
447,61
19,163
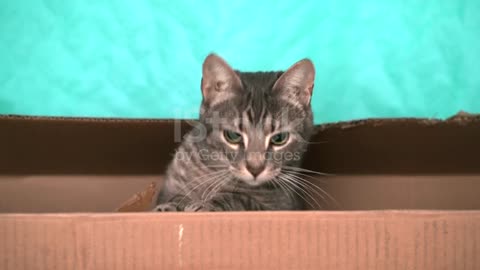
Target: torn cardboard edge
141,201
461,116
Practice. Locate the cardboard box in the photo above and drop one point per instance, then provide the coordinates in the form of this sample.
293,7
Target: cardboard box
407,192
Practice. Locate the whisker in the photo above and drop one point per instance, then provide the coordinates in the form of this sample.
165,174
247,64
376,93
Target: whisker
292,186
193,189
208,175
215,189
311,185
307,171
197,180
285,187
304,189
217,180
319,142
278,182
210,178
275,184
304,174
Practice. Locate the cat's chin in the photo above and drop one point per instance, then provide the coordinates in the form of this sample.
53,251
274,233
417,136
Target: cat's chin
254,182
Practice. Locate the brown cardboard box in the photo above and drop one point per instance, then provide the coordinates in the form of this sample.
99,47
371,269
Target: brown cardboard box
407,193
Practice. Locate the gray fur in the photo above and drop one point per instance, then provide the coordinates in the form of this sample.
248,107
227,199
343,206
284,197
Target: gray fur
208,174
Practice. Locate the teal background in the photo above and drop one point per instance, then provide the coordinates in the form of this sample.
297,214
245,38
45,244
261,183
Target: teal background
143,58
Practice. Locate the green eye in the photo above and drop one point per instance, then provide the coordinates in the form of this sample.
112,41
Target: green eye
279,138
232,137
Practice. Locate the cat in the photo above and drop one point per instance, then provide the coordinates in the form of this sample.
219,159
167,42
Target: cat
256,127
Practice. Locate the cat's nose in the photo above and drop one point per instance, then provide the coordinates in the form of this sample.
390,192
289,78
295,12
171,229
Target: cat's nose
255,169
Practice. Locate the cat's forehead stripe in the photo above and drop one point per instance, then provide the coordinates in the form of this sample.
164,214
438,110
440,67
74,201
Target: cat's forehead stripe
251,115
268,123
264,111
246,123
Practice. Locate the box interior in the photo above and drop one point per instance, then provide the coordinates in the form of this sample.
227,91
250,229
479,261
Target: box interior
57,165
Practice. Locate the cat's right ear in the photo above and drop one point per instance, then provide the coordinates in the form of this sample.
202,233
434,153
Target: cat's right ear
219,80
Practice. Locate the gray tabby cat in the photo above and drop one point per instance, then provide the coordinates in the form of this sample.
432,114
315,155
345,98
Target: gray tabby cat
253,130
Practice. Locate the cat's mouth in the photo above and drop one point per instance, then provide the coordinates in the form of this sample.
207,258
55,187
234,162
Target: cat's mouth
261,178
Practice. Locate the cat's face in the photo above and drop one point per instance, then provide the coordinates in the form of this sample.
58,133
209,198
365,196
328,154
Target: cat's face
260,122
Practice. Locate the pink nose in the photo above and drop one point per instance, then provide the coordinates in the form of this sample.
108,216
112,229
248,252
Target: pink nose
255,170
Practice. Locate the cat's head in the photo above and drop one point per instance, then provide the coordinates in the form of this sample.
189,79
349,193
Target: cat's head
261,121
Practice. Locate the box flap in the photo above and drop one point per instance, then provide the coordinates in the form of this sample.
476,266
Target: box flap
300,240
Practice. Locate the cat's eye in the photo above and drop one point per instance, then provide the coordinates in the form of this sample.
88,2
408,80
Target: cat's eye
232,136
279,138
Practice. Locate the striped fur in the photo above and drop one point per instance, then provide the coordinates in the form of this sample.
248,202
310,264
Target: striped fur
209,174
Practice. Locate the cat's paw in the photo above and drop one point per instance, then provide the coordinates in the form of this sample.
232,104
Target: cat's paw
195,207
165,207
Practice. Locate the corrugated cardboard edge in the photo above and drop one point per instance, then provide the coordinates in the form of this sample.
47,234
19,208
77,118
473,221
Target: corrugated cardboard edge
363,240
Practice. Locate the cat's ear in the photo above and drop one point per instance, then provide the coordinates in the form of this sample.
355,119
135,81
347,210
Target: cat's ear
296,84
219,80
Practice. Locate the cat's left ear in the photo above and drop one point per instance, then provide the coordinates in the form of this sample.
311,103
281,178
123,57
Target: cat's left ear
297,82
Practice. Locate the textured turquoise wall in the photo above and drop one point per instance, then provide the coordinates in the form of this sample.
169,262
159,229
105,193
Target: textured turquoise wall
143,58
